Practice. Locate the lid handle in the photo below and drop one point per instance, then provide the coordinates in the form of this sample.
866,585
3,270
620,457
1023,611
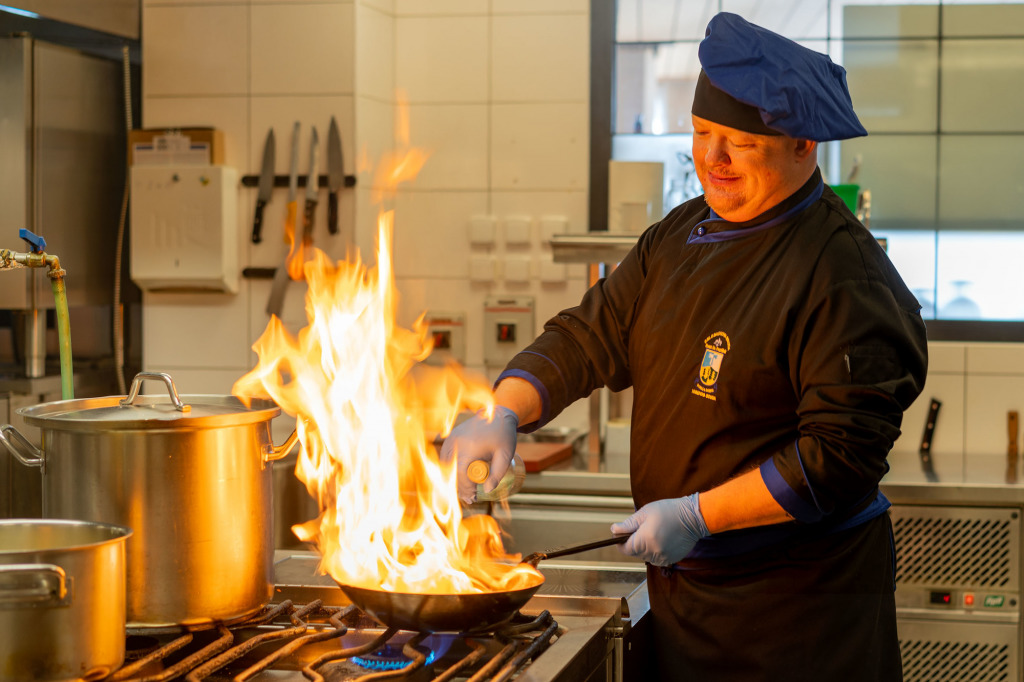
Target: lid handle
168,382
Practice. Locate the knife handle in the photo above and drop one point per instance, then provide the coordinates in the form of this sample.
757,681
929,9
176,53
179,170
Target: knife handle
929,427
332,213
1012,433
257,222
307,222
289,221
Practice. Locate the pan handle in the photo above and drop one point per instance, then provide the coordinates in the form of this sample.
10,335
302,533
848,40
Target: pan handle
537,557
168,381
273,452
34,458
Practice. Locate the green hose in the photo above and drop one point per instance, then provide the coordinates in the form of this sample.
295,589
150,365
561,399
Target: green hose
60,297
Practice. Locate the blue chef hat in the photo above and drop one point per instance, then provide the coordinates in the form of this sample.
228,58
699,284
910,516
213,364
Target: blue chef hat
757,81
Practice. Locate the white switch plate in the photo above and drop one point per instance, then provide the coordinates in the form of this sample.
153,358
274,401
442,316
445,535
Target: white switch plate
482,230
517,230
517,268
508,328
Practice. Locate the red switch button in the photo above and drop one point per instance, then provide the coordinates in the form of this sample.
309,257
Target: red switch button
968,600
506,331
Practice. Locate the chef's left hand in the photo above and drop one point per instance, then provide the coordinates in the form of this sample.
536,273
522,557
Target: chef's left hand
664,531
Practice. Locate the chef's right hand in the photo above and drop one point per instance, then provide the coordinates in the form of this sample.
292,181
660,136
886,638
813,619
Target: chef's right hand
478,438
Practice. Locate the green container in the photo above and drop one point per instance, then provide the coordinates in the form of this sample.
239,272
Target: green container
849,194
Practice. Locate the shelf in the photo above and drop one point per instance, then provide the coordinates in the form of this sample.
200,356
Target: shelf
593,247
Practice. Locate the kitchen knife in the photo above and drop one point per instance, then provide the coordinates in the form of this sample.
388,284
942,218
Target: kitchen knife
266,187
335,175
312,191
1011,448
275,302
925,450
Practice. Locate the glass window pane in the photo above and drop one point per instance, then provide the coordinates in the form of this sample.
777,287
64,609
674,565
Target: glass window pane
979,275
982,85
899,170
663,20
981,181
894,84
792,18
913,254
654,87
983,19
875,20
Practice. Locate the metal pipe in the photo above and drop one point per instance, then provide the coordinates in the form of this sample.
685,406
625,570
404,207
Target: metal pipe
56,274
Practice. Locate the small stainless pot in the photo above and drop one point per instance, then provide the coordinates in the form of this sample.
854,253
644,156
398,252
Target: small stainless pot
62,599
189,475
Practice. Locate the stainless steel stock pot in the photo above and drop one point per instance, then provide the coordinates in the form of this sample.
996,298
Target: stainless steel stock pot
187,474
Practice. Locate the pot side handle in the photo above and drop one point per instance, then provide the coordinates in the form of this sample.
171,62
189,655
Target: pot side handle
33,586
31,456
273,452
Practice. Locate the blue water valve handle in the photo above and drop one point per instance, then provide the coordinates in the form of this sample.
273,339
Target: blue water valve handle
36,242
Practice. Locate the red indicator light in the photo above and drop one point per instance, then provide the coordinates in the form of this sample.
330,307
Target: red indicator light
968,600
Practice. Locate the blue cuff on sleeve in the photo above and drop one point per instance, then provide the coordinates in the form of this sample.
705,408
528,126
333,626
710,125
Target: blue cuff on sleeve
786,496
545,400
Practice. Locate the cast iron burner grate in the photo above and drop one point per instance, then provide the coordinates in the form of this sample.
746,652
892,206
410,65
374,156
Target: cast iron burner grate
331,644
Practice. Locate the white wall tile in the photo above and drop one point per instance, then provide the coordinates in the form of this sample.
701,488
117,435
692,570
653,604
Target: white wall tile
988,400
946,357
386,6
570,204
302,49
442,59
541,58
431,233
539,6
375,137
195,330
456,138
195,50
997,358
540,146
228,114
375,54
441,7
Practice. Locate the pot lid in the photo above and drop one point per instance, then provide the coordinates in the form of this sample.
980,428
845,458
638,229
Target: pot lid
149,411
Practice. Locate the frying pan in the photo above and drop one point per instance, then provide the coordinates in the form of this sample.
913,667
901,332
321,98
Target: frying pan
455,612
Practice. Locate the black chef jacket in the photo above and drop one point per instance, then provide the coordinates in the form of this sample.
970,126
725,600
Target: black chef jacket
788,343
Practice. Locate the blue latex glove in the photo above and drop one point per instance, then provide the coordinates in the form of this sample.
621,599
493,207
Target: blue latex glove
663,531
476,438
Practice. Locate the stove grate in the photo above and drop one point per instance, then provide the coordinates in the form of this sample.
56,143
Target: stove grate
219,650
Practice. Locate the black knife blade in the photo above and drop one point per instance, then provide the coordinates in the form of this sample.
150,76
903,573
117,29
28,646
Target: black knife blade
925,449
266,187
335,175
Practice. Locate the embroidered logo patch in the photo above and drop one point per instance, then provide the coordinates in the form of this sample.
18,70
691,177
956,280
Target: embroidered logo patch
715,348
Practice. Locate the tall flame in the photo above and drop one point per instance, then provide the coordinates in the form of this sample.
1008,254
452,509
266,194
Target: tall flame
366,413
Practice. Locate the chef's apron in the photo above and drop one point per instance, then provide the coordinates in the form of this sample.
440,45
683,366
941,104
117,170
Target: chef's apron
819,610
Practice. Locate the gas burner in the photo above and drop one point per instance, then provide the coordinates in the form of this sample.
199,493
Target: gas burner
392,657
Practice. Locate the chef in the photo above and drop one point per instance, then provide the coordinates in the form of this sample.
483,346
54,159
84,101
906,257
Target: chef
772,349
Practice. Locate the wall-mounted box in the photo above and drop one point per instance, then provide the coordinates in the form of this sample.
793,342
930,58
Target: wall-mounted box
448,333
508,328
184,224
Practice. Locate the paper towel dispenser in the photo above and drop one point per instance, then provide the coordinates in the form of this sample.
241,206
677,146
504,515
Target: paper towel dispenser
184,228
